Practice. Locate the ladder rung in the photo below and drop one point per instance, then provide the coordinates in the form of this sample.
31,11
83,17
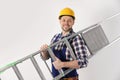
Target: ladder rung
17,72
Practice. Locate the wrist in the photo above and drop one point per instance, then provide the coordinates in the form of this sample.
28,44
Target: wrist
62,64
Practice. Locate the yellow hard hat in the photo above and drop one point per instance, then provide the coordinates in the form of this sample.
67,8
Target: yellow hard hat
67,11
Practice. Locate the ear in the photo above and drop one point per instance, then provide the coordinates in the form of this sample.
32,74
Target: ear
59,20
73,22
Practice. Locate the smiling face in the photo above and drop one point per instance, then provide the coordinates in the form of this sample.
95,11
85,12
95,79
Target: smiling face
66,23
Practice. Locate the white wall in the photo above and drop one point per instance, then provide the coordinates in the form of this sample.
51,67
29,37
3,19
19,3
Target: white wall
27,24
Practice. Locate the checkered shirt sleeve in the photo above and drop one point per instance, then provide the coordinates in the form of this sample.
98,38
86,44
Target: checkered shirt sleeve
80,51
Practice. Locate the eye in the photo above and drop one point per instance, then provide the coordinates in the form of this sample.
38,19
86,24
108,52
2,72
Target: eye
63,20
69,20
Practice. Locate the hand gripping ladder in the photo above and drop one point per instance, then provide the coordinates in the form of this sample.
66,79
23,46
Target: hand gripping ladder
93,36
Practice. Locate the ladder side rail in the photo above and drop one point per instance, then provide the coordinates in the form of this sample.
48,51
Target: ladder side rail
62,40
70,48
68,71
27,57
17,72
53,57
18,61
4,68
35,64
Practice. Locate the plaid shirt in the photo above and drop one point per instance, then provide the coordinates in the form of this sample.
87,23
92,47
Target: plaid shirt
78,46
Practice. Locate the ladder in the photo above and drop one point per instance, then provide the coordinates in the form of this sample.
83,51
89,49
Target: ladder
93,36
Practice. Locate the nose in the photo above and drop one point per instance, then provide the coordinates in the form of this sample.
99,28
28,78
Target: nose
66,22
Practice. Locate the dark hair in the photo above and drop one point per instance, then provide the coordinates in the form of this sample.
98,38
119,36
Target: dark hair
67,15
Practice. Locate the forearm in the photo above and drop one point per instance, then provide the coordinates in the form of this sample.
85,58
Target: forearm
71,64
58,64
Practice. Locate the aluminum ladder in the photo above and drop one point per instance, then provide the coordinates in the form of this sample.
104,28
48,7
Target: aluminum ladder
93,36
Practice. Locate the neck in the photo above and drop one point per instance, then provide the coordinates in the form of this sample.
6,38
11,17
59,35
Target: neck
65,33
